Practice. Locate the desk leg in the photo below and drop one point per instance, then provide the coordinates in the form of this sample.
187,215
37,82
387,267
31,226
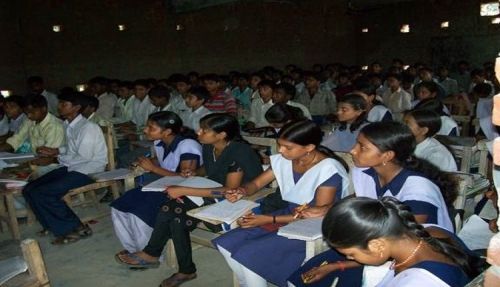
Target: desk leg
129,183
3,212
313,248
11,211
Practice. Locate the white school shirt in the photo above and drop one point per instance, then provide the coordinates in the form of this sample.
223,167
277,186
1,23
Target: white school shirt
15,124
412,277
378,113
142,110
305,110
193,120
299,88
178,105
484,107
436,153
450,86
342,140
178,147
398,102
447,126
52,102
406,186
304,189
488,129
85,150
258,111
321,104
126,108
4,125
107,103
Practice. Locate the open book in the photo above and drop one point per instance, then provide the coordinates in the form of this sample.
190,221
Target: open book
226,211
305,229
195,181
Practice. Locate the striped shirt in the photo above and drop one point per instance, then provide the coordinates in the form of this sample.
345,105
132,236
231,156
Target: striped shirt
221,102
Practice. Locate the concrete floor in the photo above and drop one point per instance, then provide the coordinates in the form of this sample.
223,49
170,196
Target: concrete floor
90,262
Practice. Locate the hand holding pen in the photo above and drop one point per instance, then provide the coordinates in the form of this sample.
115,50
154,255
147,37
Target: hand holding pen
298,211
234,195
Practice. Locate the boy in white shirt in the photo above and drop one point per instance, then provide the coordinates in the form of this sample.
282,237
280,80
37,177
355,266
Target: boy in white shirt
284,93
37,86
140,111
395,98
14,106
125,103
160,98
85,152
195,99
107,101
260,105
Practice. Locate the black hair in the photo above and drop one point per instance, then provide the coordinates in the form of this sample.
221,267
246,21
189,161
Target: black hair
426,119
167,120
477,72
314,75
355,221
363,85
429,85
160,92
282,113
358,103
99,81
200,92
75,98
397,137
36,101
298,71
141,82
243,76
115,81
211,77
482,89
267,83
432,104
289,89
126,84
394,75
91,101
18,100
34,80
306,132
222,122
407,78
178,78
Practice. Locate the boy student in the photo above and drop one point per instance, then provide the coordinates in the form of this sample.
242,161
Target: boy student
160,97
142,107
107,101
195,99
260,105
395,98
84,153
478,76
450,85
242,92
255,79
182,84
284,93
219,101
36,86
322,104
125,103
13,107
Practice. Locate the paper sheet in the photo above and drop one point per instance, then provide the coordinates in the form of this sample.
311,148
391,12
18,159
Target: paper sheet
9,155
305,229
115,174
226,211
11,267
475,233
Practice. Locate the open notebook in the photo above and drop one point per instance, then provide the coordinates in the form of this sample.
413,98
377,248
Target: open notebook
195,181
226,211
304,229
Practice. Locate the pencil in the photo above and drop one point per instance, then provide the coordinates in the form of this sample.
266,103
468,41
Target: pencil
335,282
299,210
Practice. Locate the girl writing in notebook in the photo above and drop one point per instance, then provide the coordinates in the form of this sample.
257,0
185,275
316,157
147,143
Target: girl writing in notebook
227,160
134,213
306,174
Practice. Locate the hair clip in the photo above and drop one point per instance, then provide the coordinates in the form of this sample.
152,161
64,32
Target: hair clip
171,122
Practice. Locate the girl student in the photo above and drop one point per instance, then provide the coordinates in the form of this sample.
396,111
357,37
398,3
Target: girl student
309,179
134,213
351,113
376,111
428,101
227,160
424,124
281,114
371,232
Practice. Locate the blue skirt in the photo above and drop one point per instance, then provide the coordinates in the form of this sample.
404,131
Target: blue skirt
144,205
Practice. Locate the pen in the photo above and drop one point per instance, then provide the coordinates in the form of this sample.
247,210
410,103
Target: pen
299,210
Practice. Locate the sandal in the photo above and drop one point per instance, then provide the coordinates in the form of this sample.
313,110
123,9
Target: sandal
66,239
176,280
141,263
84,231
42,233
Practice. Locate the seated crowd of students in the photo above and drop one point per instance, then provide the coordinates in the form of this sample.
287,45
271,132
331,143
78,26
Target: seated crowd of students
403,193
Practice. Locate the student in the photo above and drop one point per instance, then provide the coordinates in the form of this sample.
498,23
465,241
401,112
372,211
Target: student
463,76
285,93
125,103
424,124
484,106
260,105
107,101
425,74
227,161
351,114
385,166
298,79
376,111
305,173
219,101
448,125
160,97
372,232
478,76
449,85
134,213
344,85
4,120
37,86
13,107
321,104
197,96
242,93
255,79
142,104
395,98
181,84
281,114
85,152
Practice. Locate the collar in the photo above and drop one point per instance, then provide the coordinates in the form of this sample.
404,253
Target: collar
167,149
19,118
200,109
91,116
75,121
45,120
394,186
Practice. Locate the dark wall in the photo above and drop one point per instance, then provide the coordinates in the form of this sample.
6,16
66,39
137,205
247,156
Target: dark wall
248,35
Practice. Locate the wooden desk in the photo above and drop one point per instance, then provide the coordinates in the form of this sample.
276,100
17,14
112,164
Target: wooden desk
8,211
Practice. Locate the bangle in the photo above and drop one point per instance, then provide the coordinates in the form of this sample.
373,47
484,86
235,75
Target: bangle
274,219
341,264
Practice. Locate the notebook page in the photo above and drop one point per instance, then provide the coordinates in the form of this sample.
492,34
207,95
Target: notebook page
226,211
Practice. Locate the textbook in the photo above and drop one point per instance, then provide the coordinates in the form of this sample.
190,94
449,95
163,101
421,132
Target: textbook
195,182
226,211
305,229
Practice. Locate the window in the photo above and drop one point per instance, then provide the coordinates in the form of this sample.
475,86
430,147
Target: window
490,9
445,25
57,28
121,27
405,28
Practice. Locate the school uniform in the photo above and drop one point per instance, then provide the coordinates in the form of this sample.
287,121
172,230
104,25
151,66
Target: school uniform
488,129
134,213
107,103
436,153
15,124
379,113
84,153
414,103
243,97
126,107
258,111
4,125
172,221
449,85
463,80
484,107
52,101
409,187
342,138
321,104
448,127
472,85
264,252
142,110
299,88
193,120
305,110
178,106
398,102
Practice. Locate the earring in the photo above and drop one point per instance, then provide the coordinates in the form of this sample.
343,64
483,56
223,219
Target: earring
384,163
381,254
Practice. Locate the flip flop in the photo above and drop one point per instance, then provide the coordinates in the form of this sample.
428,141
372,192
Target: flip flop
173,281
43,233
67,239
84,231
141,262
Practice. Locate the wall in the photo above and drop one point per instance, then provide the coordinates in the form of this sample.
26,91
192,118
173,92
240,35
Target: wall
247,35
470,36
